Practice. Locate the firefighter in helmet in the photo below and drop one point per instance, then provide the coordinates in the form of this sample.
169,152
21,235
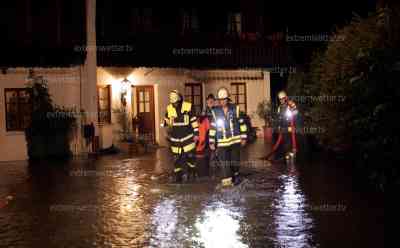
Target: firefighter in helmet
227,135
183,134
287,114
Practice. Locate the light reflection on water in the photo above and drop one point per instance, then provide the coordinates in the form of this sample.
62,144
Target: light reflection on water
291,220
216,225
219,226
126,208
165,220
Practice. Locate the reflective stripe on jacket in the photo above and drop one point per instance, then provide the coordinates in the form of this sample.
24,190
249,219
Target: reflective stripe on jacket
184,127
228,129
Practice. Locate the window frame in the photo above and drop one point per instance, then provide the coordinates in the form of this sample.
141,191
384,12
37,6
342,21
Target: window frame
192,95
101,119
190,21
236,93
233,23
144,102
143,19
19,127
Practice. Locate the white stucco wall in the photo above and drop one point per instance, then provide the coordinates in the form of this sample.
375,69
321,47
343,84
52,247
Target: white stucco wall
65,85
64,88
165,80
69,87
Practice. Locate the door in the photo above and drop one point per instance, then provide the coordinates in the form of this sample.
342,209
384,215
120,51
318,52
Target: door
145,112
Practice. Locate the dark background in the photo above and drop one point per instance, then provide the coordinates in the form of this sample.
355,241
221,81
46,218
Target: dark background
48,32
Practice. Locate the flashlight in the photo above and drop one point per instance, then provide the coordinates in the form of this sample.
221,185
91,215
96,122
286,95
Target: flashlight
289,114
220,123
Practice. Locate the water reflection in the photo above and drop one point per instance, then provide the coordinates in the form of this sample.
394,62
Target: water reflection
214,224
165,220
219,226
292,221
118,205
122,220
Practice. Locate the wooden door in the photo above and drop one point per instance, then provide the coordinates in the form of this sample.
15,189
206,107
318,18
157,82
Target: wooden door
145,111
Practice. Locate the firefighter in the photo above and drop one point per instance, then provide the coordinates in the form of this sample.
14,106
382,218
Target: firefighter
287,114
203,147
183,134
210,100
227,135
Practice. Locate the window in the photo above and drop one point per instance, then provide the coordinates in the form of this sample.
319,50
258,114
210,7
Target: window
18,109
190,21
142,19
239,95
104,105
147,14
144,101
193,94
234,23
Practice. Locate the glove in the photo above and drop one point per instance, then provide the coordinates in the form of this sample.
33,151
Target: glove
212,146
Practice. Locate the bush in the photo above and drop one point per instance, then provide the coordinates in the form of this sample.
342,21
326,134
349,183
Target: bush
48,134
373,125
264,111
363,71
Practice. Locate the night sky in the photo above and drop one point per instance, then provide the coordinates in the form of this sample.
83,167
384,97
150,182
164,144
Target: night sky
35,31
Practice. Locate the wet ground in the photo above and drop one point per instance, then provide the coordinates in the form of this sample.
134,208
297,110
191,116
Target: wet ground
126,201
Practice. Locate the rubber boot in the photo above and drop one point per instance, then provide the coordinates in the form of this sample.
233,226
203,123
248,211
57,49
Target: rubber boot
236,179
178,177
192,174
227,182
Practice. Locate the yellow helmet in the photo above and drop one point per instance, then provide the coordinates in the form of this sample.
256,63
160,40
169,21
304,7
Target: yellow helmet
282,95
222,93
174,96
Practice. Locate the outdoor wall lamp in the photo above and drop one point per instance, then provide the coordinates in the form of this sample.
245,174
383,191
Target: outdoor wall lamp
124,89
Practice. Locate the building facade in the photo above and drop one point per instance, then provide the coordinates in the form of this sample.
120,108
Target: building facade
133,65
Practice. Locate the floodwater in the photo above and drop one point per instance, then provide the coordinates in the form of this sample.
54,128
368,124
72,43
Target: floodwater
124,201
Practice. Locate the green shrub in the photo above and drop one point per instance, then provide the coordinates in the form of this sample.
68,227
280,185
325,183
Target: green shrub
48,134
363,70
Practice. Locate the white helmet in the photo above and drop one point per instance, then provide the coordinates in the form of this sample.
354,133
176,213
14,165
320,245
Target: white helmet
282,95
174,96
222,93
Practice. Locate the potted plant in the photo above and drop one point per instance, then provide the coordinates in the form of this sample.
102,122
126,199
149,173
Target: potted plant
123,121
264,111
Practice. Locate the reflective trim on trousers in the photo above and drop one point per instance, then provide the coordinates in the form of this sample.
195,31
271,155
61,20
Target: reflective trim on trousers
179,124
187,148
228,143
195,124
182,139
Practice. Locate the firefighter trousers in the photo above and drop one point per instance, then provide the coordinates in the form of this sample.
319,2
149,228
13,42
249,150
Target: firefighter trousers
229,160
285,146
185,160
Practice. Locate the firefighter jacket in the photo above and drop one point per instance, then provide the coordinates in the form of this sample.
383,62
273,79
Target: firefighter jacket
208,113
228,129
286,115
183,127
